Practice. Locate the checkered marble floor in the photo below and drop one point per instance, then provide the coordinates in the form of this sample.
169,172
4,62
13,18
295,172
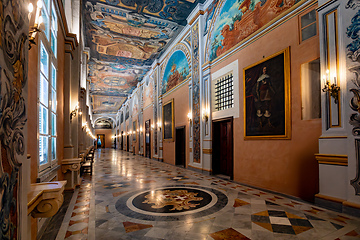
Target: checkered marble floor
132,197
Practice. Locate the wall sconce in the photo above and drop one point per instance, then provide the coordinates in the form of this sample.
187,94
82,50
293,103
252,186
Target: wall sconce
73,112
38,20
206,115
159,125
152,126
141,129
84,126
137,130
189,115
332,89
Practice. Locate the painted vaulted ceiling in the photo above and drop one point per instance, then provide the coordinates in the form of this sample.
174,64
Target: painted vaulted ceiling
125,37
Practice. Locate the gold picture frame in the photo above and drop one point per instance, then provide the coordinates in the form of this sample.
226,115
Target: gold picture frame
267,98
168,121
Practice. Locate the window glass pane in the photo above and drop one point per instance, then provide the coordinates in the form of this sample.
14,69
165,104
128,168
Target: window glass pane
308,32
46,23
308,18
53,124
46,4
44,61
43,150
53,76
53,21
53,148
53,43
44,91
310,90
53,100
43,120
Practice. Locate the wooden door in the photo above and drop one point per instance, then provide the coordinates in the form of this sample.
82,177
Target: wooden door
147,139
180,157
122,141
223,147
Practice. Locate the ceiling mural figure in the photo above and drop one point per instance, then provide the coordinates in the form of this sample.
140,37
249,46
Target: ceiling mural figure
124,38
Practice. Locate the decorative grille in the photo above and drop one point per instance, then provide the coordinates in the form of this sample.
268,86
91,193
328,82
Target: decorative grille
224,93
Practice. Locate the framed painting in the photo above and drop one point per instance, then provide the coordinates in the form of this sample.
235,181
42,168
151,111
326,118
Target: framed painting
168,120
134,130
267,98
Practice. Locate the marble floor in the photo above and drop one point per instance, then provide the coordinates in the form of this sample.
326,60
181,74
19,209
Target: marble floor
132,197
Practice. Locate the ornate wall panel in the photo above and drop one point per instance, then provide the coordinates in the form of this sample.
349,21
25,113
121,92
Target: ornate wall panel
353,53
196,92
155,112
13,75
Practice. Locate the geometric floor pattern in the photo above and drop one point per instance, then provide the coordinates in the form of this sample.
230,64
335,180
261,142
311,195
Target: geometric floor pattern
246,213
281,222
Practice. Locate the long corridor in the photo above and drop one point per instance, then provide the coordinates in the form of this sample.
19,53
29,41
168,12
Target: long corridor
132,197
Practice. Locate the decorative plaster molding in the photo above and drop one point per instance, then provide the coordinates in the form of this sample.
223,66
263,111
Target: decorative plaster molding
332,137
70,165
351,204
201,169
201,12
332,199
207,150
45,199
332,159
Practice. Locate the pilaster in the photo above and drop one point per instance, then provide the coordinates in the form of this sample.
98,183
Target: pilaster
339,148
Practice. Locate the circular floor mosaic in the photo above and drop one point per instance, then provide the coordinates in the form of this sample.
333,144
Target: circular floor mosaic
171,203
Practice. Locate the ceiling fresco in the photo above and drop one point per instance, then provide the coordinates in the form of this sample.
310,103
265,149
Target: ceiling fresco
124,38
106,104
103,123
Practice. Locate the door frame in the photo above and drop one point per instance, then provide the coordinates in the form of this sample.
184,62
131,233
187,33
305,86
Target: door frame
213,155
184,128
102,142
149,129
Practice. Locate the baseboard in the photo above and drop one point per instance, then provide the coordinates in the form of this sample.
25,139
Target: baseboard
199,170
330,203
338,205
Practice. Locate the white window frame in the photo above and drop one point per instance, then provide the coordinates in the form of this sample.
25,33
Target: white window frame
235,110
52,61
